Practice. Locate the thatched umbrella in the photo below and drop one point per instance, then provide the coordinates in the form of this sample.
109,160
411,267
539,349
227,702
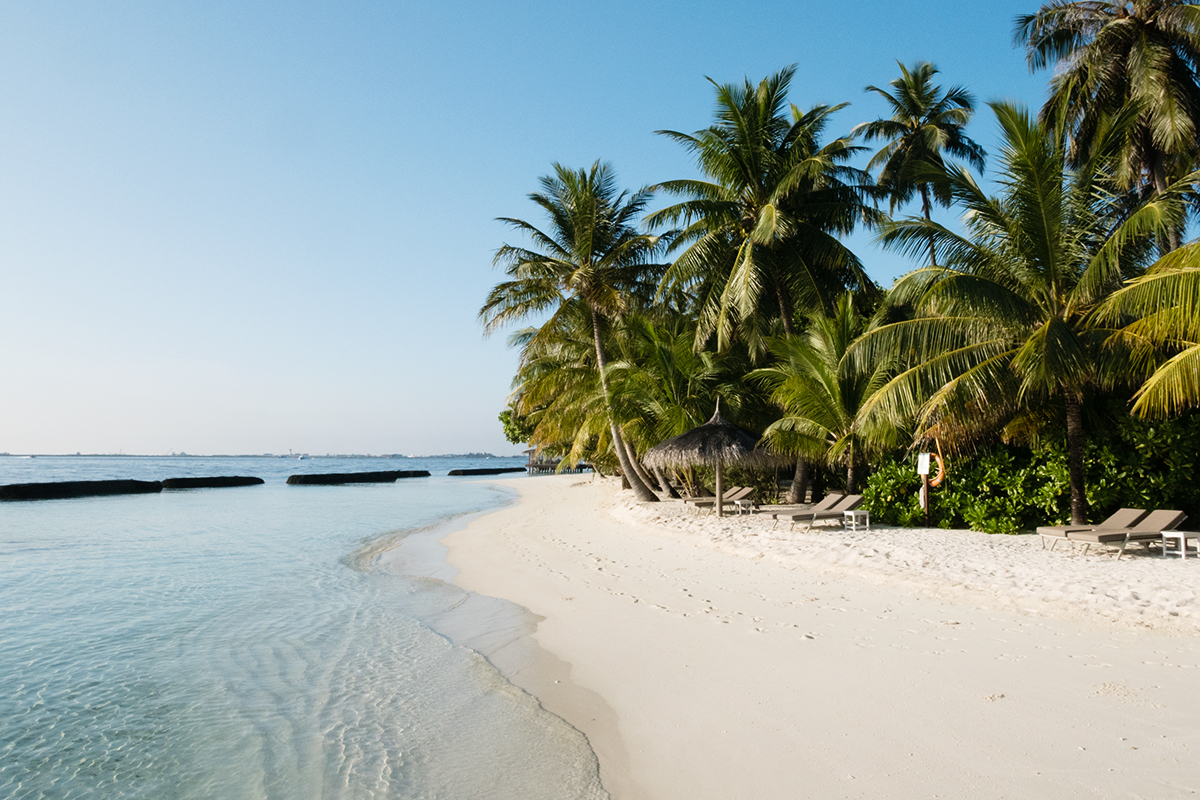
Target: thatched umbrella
713,444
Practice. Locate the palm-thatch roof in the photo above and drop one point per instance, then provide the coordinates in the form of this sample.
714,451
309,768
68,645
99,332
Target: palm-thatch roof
714,443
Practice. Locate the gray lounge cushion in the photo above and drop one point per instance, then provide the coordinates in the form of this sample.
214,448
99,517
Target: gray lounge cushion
1121,518
827,503
1149,528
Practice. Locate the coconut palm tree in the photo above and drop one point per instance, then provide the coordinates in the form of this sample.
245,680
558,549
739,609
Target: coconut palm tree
591,253
664,387
758,233
1113,55
926,125
1002,331
557,388
667,385
822,393
660,381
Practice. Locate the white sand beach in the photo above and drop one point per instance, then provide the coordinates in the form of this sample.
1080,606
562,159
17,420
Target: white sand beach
708,658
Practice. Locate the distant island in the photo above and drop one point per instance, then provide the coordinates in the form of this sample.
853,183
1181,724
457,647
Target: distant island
465,455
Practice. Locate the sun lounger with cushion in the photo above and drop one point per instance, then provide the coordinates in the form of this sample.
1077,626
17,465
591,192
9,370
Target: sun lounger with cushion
708,498
849,503
1121,518
728,498
827,502
837,511
1145,531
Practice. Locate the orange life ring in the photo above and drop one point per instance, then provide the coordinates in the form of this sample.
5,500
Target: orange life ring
941,475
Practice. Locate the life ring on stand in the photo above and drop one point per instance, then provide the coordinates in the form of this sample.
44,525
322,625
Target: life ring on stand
941,474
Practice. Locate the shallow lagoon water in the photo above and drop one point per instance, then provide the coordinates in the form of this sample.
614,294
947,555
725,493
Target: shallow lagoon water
245,643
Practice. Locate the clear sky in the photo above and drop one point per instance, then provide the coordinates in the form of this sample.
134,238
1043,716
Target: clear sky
245,227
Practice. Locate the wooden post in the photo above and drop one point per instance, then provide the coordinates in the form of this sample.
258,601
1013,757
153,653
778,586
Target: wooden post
923,471
720,511
925,496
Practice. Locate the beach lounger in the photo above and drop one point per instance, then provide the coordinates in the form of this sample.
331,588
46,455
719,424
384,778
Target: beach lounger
730,498
711,500
1121,518
827,502
1145,531
849,503
703,498
846,503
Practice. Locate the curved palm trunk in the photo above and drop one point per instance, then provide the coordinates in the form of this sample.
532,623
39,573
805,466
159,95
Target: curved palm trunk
638,467
1079,507
664,484
852,476
642,491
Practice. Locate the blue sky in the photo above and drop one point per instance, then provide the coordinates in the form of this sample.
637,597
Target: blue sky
231,227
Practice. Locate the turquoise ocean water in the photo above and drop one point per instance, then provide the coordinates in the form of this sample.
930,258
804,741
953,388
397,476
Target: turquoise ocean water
249,643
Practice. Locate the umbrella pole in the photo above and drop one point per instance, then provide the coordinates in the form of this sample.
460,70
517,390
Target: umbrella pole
720,511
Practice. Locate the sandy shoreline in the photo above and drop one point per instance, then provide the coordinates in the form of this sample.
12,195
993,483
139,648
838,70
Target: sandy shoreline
707,659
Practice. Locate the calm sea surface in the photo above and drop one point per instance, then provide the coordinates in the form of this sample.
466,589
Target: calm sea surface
247,643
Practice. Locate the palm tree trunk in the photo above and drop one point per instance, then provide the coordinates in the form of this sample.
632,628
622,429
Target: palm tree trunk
637,466
785,310
1159,174
927,209
818,482
642,491
664,484
799,482
851,476
1079,507
720,492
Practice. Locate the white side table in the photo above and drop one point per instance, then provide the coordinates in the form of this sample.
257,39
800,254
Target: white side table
852,519
1181,537
744,506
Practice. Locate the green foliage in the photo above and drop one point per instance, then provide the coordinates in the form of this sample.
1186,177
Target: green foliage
1002,330
517,430
663,387
759,233
1164,334
1112,58
1040,310
590,266
821,392
1145,464
1008,489
1003,490
926,125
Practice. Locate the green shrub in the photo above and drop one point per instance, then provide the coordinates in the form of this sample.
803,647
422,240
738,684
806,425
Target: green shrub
892,493
1007,489
1003,490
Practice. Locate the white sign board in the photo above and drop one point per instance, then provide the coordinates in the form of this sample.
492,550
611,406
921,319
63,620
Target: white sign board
922,463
